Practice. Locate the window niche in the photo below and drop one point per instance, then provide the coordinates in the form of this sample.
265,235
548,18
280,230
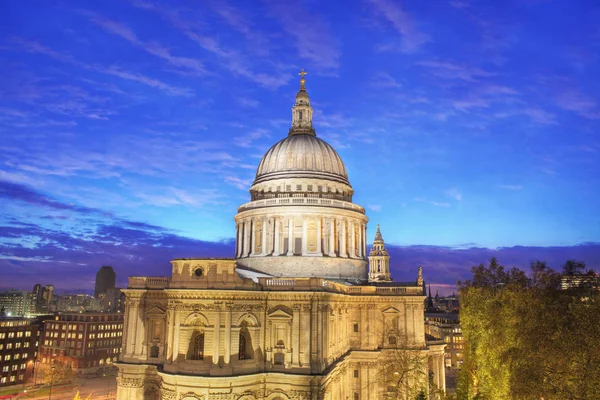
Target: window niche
196,348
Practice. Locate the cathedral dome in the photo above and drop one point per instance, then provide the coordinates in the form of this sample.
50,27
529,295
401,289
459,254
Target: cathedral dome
301,156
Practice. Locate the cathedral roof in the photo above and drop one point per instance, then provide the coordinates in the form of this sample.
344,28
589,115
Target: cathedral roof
301,156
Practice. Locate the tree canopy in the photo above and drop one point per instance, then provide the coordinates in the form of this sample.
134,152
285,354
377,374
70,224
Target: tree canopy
526,338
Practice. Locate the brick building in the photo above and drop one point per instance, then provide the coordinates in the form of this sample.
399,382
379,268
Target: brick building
88,342
19,339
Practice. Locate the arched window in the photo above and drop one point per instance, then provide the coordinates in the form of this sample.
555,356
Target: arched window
198,347
242,350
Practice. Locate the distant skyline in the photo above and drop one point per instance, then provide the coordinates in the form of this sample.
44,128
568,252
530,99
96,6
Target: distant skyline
131,131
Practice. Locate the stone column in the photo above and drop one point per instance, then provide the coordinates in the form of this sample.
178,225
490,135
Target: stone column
343,237
126,323
290,251
169,339
332,237
304,236
238,241
296,335
365,240
442,373
131,325
140,332
177,323
227,355
277,244
264,237
352,247
360,241
246,249
319,227
253,237
217,337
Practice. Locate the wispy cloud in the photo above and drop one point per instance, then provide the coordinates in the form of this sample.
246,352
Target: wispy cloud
374,207
248,139
511,187
454,71
411,38
433,203
575,100
454,193
242,184
313,38
125,32
232,59
384,80
35,47
247,102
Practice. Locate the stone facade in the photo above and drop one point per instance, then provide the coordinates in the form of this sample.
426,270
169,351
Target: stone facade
294,315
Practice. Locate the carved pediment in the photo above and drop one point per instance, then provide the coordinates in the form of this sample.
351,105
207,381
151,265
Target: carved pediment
391,310
155,311
279,314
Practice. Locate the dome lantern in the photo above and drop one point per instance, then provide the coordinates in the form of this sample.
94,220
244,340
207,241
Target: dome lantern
302,111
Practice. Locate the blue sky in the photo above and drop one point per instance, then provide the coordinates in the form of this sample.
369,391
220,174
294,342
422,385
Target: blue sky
463,124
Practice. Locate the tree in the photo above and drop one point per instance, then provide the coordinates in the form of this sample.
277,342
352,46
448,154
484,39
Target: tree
573,267
54,374
527,339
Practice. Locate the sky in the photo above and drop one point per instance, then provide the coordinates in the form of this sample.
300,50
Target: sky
131,130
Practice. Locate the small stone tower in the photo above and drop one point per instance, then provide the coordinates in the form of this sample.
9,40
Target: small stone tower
379,260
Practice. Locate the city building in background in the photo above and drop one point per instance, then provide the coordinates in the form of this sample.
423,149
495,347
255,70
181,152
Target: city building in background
89,342
581,281
78,303
19,344
113,300
17,303
105,280
446,326
299,313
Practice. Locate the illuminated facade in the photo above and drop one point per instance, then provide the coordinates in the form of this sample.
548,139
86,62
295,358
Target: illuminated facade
88,342
294,315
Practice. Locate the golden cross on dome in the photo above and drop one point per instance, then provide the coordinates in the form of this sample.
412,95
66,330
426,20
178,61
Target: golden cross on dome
302,73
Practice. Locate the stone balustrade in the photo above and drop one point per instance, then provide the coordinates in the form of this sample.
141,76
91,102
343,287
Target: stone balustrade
286,201
148,282
312,284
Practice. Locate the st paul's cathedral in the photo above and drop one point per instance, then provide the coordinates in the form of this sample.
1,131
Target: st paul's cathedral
301,312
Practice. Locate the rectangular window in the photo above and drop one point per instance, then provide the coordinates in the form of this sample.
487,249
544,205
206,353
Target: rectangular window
356,373
355,327
298,187
320,188
309,188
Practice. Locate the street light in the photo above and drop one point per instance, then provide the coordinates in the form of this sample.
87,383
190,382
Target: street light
36,364
51,382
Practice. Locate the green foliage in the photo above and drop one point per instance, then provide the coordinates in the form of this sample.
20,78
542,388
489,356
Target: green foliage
54,374
527,339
